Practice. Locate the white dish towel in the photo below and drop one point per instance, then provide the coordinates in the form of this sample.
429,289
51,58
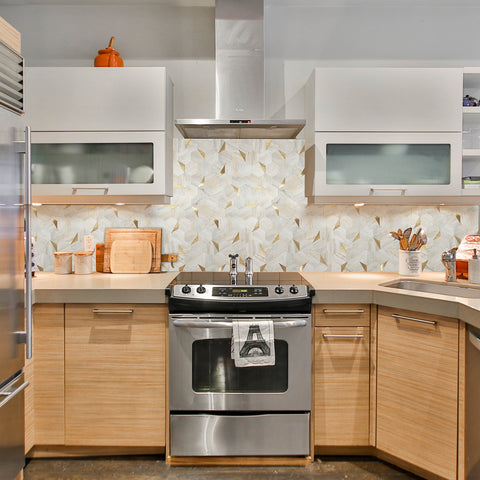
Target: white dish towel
253,343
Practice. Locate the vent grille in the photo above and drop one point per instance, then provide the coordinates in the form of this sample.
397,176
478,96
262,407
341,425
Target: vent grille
11,79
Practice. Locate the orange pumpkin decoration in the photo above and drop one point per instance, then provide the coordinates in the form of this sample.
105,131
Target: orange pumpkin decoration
108,57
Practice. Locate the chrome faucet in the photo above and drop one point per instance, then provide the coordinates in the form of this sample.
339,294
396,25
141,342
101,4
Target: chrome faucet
233,268
450,262
249,271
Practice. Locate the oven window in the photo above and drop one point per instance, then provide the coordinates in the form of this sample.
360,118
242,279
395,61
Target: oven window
213,369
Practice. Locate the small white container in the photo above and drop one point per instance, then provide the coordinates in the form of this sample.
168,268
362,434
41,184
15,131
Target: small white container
409,262
474,268
83,262
62,262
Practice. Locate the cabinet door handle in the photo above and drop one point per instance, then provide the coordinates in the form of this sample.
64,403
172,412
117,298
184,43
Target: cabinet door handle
76,190
96,310
331,335
413,319
343,311
401,190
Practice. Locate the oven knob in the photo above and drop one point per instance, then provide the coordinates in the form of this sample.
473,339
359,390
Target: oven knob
186,289
201,289
293,289
279,290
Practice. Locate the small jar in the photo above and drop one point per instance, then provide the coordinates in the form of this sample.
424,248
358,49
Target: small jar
83,262
62,262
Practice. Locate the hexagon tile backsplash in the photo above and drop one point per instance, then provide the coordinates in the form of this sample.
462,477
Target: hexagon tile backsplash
247,197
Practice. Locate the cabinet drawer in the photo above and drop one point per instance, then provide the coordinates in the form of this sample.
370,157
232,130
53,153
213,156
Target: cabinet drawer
350,314
342,386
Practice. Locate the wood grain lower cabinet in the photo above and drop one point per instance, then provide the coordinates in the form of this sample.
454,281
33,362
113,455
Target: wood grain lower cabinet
115,375
417,389
48,375
342,375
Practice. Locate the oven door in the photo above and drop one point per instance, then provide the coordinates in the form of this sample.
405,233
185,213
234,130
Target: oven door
203,376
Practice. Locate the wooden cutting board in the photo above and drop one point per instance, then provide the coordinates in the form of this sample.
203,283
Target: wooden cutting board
153,235
131,256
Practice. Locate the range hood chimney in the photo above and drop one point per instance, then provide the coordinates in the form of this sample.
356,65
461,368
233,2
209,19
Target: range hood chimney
240,79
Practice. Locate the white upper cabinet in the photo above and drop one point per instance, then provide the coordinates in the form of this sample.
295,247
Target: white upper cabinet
101,135
94,99
388,99
384,135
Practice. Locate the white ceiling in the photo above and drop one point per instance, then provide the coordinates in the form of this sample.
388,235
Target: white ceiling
276,3
175,3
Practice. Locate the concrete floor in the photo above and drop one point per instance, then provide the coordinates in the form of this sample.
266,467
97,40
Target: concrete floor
154,468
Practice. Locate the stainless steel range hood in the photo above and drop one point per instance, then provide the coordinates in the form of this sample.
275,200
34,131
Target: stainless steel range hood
240,79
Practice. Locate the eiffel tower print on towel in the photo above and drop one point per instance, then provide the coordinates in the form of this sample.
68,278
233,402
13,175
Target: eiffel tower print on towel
251,347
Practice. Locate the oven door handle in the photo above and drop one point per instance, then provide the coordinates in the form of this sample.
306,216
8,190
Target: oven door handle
200,324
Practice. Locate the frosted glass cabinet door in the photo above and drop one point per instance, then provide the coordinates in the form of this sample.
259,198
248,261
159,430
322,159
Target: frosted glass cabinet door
103,164
393,164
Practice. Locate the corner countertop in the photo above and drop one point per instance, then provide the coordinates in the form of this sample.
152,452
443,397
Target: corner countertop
332,287
49,287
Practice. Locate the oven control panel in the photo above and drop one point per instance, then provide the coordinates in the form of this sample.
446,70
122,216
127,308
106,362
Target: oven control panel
239,292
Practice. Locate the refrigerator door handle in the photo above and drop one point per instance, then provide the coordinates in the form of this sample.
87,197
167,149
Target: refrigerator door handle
28,244
26,336
10,395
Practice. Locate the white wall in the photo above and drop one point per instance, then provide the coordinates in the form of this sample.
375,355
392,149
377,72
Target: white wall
417,33
300,35
179,38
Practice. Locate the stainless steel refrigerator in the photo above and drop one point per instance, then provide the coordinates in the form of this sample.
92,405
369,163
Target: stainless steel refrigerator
15,272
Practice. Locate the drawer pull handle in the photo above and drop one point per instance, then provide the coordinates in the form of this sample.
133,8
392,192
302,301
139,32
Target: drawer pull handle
401,317
331,335
96,310
343,311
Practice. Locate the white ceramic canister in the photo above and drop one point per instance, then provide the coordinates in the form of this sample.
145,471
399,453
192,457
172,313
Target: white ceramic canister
409,262
62,262
83,262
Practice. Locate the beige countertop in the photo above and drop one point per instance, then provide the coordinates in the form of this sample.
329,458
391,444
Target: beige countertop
330,287
49,287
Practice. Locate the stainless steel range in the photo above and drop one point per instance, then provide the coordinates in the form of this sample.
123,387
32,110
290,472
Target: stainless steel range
220,409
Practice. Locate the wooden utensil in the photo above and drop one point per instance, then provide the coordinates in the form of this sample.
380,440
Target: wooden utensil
403,243
99,254
131,256
412,244
154,235
407,232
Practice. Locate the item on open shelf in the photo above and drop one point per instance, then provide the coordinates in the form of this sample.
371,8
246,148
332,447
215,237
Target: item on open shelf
469,101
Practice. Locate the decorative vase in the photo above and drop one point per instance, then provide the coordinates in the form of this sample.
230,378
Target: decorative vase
108,57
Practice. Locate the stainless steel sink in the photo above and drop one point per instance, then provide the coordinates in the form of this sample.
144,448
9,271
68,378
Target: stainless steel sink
437,288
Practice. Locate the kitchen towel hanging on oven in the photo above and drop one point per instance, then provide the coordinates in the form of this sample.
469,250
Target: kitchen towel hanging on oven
253,343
